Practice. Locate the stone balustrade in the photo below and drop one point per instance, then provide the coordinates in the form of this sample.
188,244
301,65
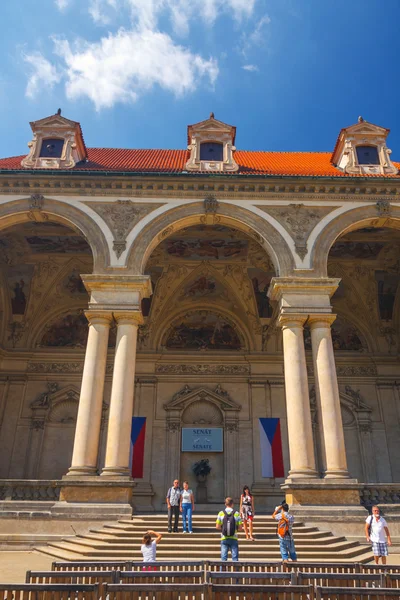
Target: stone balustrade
380,493
29,489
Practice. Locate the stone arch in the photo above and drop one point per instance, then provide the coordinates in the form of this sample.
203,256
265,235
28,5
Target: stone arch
364,216
240,218
39,209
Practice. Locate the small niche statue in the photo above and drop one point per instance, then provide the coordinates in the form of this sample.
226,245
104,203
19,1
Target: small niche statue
201,469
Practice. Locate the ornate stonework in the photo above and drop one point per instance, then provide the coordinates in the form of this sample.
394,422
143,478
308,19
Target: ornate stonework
121,216
202,369
298,220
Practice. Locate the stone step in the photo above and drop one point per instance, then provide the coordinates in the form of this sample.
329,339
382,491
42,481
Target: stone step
122,540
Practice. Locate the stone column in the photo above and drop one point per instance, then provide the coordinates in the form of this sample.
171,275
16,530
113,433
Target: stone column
301,447
87,433
122,392
327,393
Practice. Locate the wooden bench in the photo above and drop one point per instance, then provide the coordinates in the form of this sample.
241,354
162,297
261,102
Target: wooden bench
32,591
155,591
153,575
72,577
361,593
250,578
373,568
247,566
392,580
345,580
323,567
92,566
170,565
260,592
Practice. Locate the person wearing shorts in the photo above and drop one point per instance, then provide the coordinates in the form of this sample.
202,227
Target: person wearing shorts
247,512
376,531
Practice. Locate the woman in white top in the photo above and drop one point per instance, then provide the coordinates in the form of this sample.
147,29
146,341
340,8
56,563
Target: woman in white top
149,547
375,530
187,507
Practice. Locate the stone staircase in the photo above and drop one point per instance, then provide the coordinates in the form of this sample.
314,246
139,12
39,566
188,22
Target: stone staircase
121,540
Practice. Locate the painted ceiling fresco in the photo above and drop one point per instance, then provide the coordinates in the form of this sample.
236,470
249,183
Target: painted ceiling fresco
203,330
204,242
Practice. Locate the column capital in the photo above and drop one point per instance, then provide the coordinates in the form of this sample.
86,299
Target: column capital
117,292
128,317
292,320
104,317
320,320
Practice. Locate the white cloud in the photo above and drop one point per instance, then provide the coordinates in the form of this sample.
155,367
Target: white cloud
257,36
62,4
44,74
145,14
250,67
120,67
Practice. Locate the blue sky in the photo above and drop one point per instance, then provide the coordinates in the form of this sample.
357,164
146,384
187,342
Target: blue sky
288,73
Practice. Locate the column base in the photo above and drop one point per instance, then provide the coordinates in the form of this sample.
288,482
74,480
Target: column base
96,490
81,472
322,492
302,474
115,472
337,474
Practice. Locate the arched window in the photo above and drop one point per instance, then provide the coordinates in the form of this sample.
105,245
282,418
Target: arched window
367,155
211,151
52,148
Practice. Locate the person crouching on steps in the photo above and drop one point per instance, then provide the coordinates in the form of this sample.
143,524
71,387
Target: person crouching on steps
284,531
149,548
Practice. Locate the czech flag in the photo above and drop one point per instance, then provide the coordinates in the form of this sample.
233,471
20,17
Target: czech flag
137,446
271,448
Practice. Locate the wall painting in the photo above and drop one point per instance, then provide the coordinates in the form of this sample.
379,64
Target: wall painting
387,287
19,281
260,281
202,330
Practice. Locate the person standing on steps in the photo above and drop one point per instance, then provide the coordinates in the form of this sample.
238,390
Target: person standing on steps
173,501
284,531
187,507
229,523
149,547
375,530
247,512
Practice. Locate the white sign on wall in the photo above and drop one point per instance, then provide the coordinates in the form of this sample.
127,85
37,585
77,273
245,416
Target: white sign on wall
202,439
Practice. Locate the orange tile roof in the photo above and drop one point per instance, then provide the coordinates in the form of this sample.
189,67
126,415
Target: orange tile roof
304,164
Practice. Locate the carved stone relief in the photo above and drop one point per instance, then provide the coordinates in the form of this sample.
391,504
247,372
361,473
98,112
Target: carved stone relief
298,220
202,369
121,216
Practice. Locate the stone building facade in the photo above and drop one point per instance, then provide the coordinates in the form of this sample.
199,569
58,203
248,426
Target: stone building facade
202,287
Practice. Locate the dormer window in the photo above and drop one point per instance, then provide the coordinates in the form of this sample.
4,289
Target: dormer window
367,155
211,151
51,148
57,144
361,149
212,145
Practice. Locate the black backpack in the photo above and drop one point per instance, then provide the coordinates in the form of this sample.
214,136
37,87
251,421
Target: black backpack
228,524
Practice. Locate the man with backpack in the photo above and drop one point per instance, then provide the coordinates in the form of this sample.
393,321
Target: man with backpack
376,531
229,522
284,531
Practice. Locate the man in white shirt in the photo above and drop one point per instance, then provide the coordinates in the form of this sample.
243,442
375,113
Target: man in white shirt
375,530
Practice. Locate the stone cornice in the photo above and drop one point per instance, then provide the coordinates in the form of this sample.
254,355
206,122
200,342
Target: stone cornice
195,186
